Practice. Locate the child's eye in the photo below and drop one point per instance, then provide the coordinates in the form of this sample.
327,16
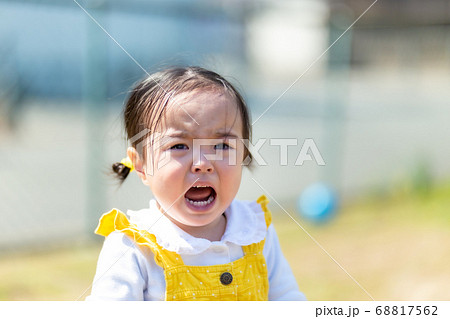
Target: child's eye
222,146
179,147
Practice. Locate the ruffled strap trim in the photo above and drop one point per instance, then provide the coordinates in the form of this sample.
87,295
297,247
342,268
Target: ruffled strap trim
115,220
257,248
263,201
111,221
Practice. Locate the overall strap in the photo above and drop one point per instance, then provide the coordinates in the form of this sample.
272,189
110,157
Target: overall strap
263,201
257,248
169,258
115,220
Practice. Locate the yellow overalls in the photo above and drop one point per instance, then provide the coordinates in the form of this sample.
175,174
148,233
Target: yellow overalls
242,279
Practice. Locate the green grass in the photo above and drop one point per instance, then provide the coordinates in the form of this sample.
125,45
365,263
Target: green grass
59,274
396,246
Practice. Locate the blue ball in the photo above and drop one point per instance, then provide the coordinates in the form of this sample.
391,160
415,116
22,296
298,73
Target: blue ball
317,203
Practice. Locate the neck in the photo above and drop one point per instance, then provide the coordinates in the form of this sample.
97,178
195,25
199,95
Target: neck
212,232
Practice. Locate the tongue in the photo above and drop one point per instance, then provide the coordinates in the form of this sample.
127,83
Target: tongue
198,193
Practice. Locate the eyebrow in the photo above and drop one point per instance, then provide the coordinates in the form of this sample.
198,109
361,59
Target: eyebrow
226,134
181,134
218,134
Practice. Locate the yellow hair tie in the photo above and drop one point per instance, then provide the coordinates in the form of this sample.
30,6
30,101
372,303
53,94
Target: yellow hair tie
127,163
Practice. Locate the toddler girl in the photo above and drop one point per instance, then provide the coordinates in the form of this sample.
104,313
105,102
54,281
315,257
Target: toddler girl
186,127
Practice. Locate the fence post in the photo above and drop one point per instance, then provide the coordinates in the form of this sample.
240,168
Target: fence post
94,97
337,78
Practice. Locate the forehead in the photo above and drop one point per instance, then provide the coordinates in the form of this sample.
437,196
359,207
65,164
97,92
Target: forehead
203,114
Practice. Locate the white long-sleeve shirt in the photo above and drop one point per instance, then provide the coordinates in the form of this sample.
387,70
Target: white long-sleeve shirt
127,271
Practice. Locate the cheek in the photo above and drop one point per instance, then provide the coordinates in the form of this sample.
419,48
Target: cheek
169,177
233,157
165,163
232,173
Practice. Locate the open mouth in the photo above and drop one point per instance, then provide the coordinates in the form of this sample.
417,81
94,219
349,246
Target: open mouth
200,196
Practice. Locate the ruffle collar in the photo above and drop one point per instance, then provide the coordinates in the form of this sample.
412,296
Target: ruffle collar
245,225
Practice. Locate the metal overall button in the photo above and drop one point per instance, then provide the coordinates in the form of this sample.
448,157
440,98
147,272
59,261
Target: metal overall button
226,278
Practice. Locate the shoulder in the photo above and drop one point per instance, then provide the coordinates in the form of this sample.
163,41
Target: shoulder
124,270
257,208
121,253
117,244
246,222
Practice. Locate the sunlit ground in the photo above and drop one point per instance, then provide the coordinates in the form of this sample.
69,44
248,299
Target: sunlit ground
397,247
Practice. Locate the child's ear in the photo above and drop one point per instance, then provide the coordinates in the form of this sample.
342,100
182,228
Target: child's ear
138,163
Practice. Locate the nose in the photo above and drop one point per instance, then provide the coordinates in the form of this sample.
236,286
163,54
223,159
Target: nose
202,165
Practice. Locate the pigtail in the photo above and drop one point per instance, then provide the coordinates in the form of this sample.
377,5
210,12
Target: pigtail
120,171
123,168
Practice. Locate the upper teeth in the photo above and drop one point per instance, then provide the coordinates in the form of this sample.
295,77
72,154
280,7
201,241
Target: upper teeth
201,186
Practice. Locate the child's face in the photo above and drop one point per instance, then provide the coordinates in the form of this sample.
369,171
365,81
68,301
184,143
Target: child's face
197,167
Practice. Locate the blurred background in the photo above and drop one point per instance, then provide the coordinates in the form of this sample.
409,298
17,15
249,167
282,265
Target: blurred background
376,104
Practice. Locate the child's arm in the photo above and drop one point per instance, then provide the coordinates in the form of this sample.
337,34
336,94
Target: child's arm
282,283
121,274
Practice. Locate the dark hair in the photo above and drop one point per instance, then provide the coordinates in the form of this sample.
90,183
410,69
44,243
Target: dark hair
121,171
147,103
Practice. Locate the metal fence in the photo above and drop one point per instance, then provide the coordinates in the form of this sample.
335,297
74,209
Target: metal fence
376,104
